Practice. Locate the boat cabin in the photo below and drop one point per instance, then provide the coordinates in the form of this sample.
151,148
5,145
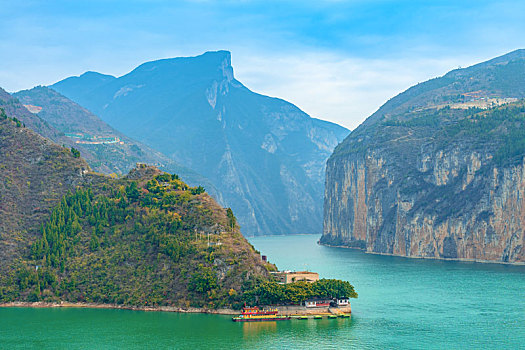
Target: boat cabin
255,311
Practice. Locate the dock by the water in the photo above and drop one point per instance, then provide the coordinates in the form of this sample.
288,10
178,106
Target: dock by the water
295,310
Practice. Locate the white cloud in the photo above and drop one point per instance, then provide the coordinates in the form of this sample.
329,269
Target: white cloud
334,87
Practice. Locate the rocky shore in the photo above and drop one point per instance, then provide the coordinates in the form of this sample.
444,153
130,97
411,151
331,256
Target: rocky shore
40,304
426,257
283,310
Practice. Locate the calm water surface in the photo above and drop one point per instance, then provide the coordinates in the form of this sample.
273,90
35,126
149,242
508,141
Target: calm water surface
403,303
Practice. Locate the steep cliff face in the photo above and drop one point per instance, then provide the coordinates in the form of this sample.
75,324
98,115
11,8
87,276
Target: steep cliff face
438,182
265,155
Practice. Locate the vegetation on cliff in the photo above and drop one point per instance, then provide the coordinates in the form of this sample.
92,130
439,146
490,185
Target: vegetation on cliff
500,128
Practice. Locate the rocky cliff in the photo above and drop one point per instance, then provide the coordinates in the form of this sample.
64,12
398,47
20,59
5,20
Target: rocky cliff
438,172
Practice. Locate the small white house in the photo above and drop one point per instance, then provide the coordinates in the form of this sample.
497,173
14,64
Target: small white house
342,302
310,303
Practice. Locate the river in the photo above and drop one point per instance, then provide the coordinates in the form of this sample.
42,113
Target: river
403,303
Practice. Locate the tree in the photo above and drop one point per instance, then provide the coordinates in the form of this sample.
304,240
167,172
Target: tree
332,288
203,280
94,243
197,190
75,152
232,221
132,191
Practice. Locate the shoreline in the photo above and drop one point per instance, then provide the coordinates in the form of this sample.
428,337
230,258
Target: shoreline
283,310
518,263
66,304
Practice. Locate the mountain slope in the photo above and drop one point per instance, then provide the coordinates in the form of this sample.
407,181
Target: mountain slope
147,239
106,150
14,108
264,154
438,171
501,77
35,174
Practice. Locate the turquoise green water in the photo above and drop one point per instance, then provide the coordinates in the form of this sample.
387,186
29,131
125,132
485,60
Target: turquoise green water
403,303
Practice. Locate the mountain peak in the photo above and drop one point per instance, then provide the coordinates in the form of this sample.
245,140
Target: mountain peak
265,154
516,54
225,54
224,59
96,75
210,63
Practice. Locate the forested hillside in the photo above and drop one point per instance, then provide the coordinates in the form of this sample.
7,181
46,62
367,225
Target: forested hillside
143,240
34,175
147,239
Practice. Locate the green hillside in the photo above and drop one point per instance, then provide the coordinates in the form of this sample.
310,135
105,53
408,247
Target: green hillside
147,239
34,174
68,234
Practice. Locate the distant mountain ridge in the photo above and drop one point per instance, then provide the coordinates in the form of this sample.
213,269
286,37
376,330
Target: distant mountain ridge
85,83
12,106
438,171
499,77
265,155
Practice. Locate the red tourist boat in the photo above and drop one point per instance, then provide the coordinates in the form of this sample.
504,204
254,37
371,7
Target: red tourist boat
254,314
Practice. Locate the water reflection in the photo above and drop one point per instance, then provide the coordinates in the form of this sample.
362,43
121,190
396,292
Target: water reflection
252,330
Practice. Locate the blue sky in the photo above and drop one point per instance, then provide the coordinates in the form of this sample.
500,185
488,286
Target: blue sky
337,60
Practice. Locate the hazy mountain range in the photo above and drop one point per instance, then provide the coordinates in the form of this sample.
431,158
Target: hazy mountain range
265,155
